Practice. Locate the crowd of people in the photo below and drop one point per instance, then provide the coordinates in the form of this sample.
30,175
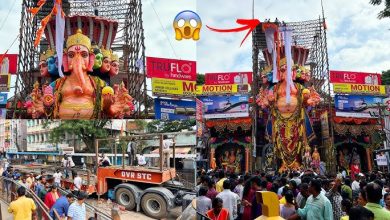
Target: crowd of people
227,196
68,205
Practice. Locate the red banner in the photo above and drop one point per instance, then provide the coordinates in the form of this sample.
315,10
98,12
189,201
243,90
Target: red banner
12,62
228,78
170,69
355,77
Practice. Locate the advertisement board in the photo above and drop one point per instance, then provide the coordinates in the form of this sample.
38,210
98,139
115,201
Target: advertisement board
170,69
359,106
8,63
228,78
225,106
359,88
166,109
3,99
4,82
173,87
216,89
355,77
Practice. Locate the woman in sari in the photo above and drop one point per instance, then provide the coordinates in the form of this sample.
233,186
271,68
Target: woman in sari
51,197
247,198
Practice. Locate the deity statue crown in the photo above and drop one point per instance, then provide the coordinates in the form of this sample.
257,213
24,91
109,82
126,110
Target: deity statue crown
106,53
78,39
114,57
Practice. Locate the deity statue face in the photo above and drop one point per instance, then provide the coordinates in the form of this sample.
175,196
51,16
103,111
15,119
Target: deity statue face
114,69
264,79
52,65
78,53
43,68
106,65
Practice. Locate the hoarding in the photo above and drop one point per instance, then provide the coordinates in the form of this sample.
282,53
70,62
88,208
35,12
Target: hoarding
3,99
166,109
359,88
171,69
4,82
216,89
355,77
228,78
358,106
225,106
8,63
173,87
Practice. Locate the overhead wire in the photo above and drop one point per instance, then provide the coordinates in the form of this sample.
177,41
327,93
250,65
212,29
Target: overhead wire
9,12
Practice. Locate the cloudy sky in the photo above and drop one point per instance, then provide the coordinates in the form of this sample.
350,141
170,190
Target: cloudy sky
357,40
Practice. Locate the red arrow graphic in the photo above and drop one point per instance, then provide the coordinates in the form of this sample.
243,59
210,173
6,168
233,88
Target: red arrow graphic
248,24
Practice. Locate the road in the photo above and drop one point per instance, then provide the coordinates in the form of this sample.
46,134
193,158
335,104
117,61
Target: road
4,213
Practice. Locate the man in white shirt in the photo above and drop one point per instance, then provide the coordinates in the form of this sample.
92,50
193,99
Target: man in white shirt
78,182
229,199
167,143
141,160
57,178
104,161
131,151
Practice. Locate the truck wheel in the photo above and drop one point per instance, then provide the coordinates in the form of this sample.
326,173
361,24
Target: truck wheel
125,198
154,205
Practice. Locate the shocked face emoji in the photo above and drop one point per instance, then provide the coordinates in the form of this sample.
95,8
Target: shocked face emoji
187,25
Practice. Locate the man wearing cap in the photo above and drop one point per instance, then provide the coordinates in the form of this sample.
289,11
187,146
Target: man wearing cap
77,209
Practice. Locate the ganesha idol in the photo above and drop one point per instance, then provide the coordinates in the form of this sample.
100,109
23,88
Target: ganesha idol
288,125
80,94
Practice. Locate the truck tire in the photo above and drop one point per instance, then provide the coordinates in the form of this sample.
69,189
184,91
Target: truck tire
125,198
154,206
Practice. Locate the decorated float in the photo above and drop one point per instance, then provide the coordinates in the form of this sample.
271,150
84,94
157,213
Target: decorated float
286,100
78,65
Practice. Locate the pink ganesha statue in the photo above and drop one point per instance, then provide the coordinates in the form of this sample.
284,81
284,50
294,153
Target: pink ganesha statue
288,125
79,94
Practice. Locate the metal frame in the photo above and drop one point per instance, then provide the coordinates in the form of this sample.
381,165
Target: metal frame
129,42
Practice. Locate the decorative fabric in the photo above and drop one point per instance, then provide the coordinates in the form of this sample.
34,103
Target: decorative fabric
356,130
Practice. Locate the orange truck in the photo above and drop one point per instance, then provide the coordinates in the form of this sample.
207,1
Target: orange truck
151,189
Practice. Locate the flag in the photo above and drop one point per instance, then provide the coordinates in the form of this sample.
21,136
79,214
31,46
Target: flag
60,31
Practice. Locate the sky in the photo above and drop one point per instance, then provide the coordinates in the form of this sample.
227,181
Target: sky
357,39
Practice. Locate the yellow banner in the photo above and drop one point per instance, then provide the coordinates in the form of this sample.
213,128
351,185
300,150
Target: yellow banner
216,89
359,88
173,87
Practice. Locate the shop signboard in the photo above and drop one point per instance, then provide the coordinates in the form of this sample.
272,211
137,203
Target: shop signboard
355,77
359,88
381,160
8,63
358,106
225,106
169,87
325,125
171,69
228,78
4,82
167,109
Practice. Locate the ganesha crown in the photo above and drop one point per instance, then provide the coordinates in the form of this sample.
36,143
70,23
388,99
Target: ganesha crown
78,39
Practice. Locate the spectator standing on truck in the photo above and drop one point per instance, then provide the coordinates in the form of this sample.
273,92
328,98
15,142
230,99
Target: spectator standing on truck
68,164
57,178
167,143
131,151
141,160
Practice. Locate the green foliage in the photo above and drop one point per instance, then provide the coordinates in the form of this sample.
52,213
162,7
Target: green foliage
199,79
386,77
86,130
385,13
158,126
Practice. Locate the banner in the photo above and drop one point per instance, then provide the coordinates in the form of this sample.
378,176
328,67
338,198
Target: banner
173,87
3,99
358,106
3,113
9,63
221,89
355,77
225,106
359,88
166,109
170,69
381,160
199,129
4,82
325,125
199,110
228,78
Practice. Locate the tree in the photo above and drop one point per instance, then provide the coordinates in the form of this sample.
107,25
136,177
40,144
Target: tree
386,77
86,130
157,126
199,79
385,13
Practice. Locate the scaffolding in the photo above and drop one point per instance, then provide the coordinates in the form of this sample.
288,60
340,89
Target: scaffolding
309,34
129,44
